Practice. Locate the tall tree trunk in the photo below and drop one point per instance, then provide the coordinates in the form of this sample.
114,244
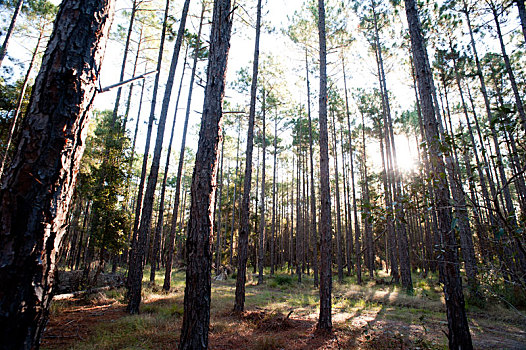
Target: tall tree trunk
367,209
196,317
124,59
350,244
10,30
459,336
313,213
339,237
151,120
37,187
19,102
522,15
273,229
299,228
136,264
234,197
262,224
509,70
324,321
219,243
242,244
173,226
130,91
160,218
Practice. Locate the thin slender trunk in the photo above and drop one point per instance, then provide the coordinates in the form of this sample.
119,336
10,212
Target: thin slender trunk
262,224
160,218
339,237
136,264
139,200
274,168
124,59
242,255
509,70
169,260
234,197
313,213
219,243
19,102
350,244
10,30
522,15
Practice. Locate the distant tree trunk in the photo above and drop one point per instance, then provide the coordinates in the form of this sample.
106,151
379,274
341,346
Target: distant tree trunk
369,245
136,264
273,229
196,317
3,49
173,226
324,321
160,219
262,224
130,91
339,237
219,243
124,59
242,244
151,120
349,236
19,102
299,229
37,187
459,336
313,226
522,15
234,197
509,70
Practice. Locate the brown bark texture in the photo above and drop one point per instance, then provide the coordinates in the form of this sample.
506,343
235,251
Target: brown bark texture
324,321
39,183
459,335
196,318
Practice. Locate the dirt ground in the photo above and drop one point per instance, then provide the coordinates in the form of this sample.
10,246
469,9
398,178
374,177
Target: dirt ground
102,323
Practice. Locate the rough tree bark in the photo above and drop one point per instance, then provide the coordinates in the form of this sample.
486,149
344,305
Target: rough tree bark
459,335
324,321
136,264
196,318
38,186
242,254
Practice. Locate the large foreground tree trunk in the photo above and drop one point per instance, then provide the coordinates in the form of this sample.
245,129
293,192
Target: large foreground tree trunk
459,336
39,183
196,318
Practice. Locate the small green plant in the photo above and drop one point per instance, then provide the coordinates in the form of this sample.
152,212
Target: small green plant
282,280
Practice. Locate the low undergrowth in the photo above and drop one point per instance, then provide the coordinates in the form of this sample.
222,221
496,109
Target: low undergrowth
281,314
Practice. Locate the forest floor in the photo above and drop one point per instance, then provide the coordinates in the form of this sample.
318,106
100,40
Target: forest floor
280,314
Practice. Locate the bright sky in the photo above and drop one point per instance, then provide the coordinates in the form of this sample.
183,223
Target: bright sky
275,15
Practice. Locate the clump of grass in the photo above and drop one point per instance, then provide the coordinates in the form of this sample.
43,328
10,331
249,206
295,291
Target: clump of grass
170,310
282,280
268,343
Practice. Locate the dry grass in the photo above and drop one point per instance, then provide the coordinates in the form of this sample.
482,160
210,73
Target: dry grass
365,317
